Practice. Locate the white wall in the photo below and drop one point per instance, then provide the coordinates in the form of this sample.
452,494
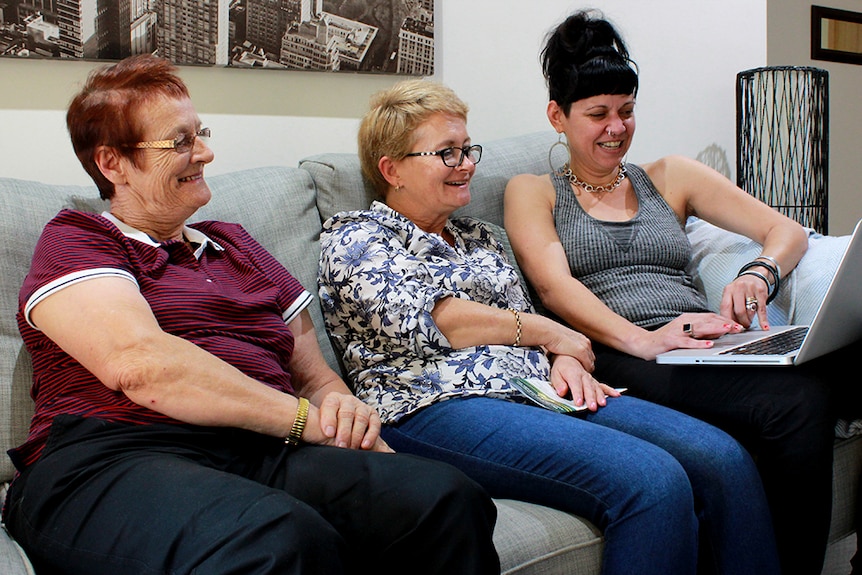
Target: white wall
791,19
488,50
688,53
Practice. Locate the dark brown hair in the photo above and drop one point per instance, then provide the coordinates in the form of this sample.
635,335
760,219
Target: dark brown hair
585,56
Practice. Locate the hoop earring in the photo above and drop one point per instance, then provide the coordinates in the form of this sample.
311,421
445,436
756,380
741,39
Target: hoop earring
560,142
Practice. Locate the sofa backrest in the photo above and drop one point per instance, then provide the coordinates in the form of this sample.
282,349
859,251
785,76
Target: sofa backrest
276,205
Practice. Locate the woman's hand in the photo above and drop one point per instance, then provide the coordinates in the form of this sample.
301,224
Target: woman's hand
559,339
345,421
745,297
688,331
572,380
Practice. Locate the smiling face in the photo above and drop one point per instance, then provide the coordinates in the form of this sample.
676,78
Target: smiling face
425,189
599,131
165,187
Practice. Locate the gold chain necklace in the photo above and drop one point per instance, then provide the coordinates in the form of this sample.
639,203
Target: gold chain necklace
621,175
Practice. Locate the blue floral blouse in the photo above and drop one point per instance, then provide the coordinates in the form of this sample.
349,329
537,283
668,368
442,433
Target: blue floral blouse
380,278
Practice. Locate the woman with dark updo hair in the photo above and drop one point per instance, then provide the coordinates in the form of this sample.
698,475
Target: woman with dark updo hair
604,244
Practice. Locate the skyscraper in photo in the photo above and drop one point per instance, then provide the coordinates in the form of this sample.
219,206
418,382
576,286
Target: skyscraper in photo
71,43
416,47
266,22
113,29
188,31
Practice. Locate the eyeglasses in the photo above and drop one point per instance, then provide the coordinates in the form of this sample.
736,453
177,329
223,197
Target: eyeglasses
451,158
181,144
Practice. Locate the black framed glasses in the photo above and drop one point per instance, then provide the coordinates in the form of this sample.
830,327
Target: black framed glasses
454,156
181,144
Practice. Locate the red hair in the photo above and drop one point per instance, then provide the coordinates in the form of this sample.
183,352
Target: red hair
104,112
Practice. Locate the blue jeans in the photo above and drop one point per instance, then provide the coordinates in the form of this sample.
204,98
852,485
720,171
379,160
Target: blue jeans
649,477
785,416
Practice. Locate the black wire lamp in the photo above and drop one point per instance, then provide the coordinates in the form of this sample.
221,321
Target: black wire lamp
782,140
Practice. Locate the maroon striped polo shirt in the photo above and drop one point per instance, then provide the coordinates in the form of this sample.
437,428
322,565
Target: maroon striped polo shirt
230,297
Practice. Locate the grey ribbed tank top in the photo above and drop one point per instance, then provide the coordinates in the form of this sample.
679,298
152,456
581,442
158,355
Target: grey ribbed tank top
636,267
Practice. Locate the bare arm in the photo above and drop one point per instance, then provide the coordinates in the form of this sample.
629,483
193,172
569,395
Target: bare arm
109,328
691,188
467,323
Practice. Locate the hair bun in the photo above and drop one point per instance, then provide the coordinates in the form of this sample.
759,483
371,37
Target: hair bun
586,35
585,56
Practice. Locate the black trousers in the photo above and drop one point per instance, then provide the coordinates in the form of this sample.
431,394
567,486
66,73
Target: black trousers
784,415
114,499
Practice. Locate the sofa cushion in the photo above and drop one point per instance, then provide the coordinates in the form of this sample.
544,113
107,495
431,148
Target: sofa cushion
531,539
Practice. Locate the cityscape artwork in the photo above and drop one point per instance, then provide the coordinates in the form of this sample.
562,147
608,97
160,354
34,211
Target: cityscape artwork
381,36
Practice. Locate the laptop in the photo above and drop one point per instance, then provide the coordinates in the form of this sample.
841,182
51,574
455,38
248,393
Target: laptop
838,322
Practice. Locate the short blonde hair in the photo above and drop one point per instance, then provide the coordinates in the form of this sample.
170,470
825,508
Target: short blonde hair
387,129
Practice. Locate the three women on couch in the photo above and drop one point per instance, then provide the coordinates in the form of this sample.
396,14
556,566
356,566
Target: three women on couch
434,326
603,243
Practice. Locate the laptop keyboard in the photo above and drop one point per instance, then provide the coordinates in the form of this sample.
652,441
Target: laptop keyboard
777,344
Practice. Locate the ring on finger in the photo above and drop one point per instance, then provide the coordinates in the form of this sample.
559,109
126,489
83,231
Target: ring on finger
751,303
688,329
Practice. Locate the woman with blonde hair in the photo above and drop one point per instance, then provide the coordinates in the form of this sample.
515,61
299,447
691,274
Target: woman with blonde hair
604,244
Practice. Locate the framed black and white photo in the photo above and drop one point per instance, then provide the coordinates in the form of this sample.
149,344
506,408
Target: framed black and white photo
377,36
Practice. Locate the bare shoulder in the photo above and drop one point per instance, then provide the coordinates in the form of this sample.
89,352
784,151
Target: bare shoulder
672,166
679,175
529,180
525,186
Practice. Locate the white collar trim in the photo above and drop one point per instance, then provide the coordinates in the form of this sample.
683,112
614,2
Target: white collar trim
191,234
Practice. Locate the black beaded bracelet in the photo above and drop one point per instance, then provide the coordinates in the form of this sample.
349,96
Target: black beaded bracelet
773,271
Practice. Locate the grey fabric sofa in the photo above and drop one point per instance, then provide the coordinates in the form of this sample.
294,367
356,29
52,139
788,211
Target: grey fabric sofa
283,208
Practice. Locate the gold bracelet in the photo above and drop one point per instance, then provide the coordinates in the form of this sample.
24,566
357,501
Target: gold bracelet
295,436
518,324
